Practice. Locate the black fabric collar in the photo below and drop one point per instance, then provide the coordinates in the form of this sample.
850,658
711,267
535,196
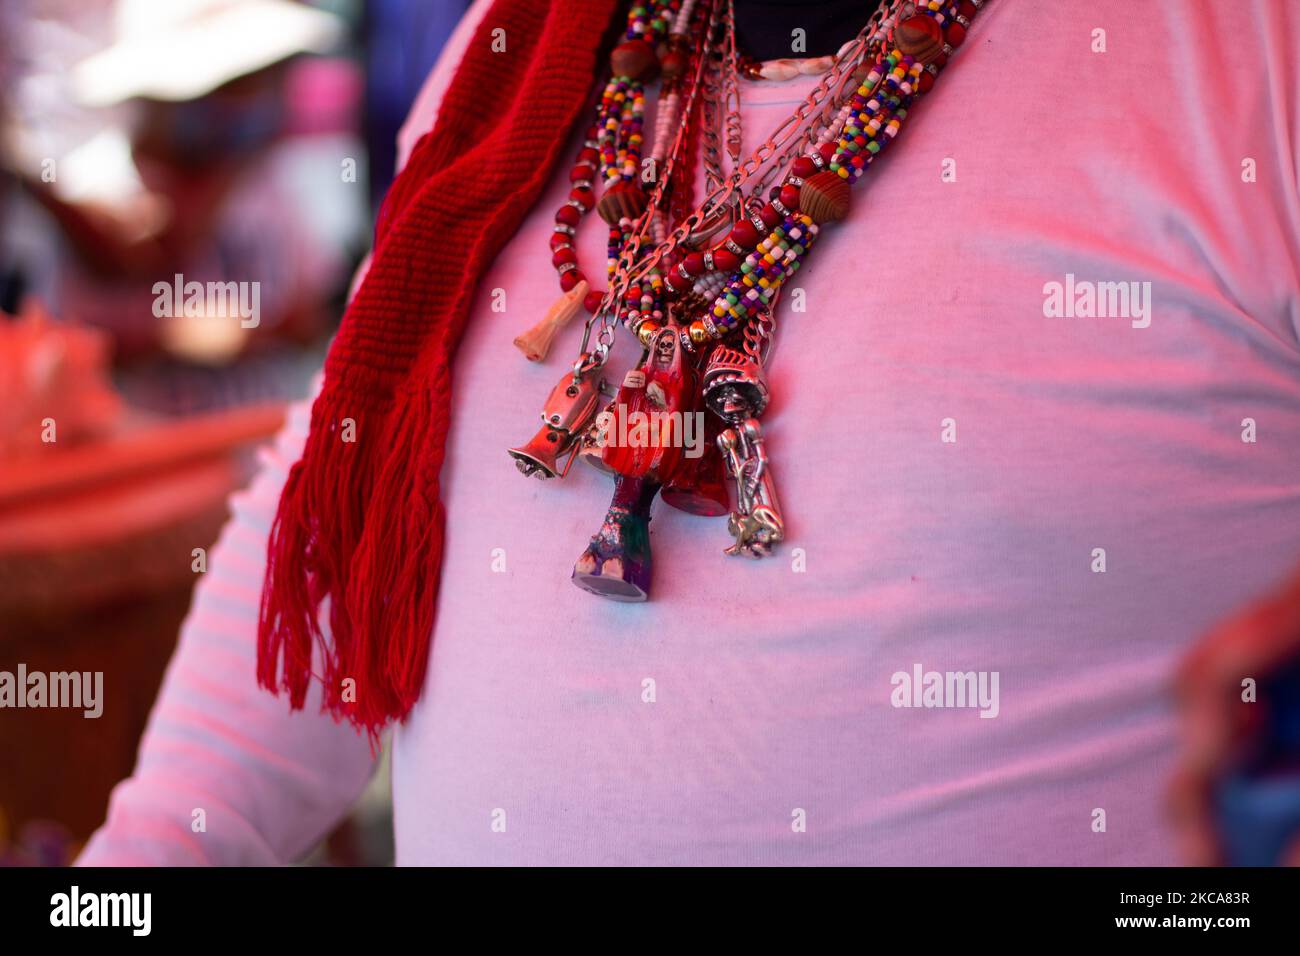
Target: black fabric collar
764,28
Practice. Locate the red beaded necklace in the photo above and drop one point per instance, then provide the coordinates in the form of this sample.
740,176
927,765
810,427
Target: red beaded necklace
703,308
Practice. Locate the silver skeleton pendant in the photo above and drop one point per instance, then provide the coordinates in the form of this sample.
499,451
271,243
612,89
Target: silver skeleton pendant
736,390
756,523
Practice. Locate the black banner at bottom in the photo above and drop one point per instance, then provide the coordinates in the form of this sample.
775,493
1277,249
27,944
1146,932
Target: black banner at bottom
338,906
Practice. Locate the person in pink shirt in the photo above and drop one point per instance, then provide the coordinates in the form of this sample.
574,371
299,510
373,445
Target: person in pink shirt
976,480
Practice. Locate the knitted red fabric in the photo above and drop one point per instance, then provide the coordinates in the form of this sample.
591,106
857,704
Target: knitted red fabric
360,522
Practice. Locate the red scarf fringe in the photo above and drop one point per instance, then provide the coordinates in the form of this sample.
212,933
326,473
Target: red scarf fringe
360,523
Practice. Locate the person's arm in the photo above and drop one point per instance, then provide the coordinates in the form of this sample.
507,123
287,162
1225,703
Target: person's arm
1217,724
269,783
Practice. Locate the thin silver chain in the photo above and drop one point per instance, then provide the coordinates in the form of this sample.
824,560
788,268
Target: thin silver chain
771,156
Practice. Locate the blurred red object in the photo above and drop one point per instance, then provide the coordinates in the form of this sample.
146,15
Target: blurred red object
98,538
53,384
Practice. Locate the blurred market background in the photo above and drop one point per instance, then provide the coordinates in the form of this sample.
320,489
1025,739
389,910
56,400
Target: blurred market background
221,140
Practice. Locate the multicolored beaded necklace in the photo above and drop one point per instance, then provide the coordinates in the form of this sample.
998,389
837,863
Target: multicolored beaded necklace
703,308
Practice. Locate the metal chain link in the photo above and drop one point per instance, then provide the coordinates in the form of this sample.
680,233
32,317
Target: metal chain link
789,138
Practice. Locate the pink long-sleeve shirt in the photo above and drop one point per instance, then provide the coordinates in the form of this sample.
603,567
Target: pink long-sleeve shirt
973,483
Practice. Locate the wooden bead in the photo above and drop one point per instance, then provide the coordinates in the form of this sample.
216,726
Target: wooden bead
674,65
677,56
636,60
919,37
825,197
624,199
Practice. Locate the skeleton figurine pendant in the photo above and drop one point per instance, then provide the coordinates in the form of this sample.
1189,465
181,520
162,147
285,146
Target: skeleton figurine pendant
735,389
756,523
645,422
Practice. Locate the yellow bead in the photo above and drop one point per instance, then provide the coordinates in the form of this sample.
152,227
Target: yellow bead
698,332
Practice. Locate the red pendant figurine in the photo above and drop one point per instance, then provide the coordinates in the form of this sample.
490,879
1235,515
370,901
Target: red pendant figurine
642,446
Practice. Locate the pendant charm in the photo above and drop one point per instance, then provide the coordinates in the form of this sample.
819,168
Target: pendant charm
536,342
756,523
736,390
566,416
642,449
699,485
616,564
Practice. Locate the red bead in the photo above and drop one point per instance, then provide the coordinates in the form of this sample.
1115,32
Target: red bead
559,241
589,156
583,195
925,82
674,64
744,234
827,150
564,255
789,197
567,216
966,9
771,218
725,260
803,167
570,279
582,173
592,302
955,34
693,264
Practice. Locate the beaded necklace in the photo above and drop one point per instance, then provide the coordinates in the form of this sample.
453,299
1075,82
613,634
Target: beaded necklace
704,308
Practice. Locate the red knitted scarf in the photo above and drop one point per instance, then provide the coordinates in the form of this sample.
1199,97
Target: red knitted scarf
360,521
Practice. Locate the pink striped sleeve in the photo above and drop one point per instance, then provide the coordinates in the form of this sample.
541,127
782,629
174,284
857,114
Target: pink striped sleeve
269,783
